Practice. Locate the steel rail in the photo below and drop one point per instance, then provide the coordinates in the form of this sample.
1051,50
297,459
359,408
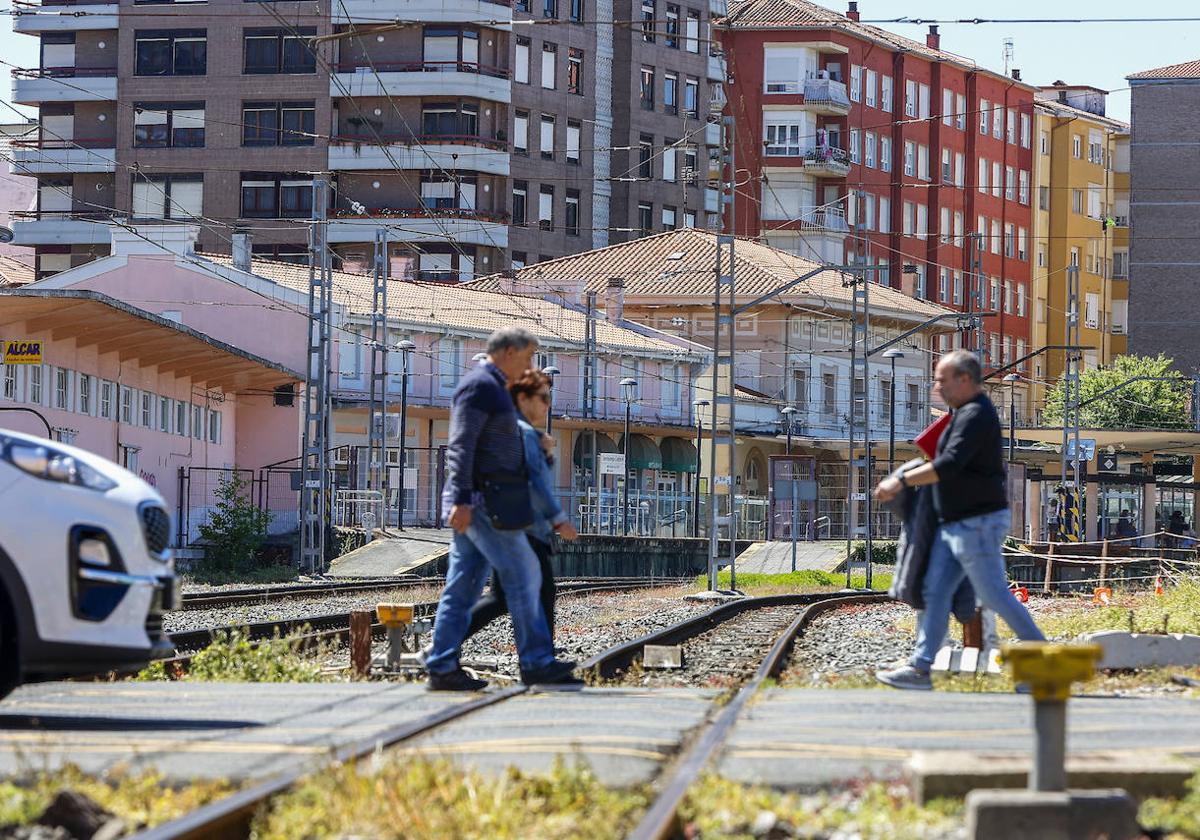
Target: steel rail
230,818
661,820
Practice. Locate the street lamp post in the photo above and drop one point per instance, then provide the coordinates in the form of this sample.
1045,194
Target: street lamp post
628,395
788,413
1012,379
551,372
892,355
405,347
697,406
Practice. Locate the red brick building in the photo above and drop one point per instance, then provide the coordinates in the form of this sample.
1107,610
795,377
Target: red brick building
827,107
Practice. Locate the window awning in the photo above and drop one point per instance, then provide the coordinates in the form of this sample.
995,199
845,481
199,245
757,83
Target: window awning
582,456
678,454
643,454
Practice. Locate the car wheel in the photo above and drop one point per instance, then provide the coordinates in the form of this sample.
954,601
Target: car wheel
10,666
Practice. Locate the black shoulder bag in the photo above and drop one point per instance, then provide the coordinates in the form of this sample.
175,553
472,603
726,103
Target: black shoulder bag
507,498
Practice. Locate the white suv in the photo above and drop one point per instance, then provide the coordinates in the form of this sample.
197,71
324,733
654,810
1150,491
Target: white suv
85,565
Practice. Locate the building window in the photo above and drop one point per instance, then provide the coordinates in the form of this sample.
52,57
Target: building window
571,217
170,52
267,195
168,196
521,132
871,83
854,146
1011,134
869,143
546,137
983,116
520,197
885,93
10,382
106,401
691,35
691,98
450,48
1077,146
550,9
1010,190
85,394
546,208
669,161
855,83
575,71
647,88
181,418
197,422
997,182
521,62
269,51
214,426
669,217
645,157
164,414
1023,187
147,410
671,93
574,127
645,218
549,64
829,394
910,158
1076,201
1025,131
450,119
129,457
278,123
960,116
576,12
648,21
997,121
168,125
885,154
671,38
1021,299
910,98
62,388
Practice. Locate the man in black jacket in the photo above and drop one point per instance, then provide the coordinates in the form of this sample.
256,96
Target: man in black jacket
971,499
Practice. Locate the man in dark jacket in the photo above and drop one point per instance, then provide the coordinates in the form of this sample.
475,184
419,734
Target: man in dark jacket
485,443
971,500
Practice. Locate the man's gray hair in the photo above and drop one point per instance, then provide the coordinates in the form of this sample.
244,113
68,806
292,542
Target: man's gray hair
516,338
964,361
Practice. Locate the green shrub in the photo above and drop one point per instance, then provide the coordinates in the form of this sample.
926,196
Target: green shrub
234,534
882,551
232,657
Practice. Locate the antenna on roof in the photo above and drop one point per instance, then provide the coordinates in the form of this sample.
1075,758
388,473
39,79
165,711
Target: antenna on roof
1008,54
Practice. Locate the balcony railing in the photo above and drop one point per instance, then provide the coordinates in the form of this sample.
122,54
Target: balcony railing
64,72
425,212
826,92
63,215
829,218
67,143
420,140
424,67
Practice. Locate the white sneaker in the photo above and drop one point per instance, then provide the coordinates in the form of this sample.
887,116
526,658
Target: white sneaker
906,677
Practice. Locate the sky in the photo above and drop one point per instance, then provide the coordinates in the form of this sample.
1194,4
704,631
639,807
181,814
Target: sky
1097,54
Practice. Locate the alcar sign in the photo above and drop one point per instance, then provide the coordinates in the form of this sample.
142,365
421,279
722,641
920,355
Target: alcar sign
22,352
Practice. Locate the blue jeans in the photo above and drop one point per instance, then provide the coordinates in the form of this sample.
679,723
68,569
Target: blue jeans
471,554
970,548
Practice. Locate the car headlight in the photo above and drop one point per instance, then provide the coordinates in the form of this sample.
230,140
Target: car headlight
50,464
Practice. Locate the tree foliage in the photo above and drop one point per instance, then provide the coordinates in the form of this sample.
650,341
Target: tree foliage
1139,405
236,528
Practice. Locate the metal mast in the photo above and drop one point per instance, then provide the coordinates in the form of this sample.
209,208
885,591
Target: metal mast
860,370
1071,392
314,493
377,415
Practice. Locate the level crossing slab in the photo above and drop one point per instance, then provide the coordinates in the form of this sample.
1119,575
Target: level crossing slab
623,735
806,738
396,554
200,730
774,558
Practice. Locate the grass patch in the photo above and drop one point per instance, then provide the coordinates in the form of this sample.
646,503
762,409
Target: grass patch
805,580
232,657
143,799
213,574
1178,608
1177,819
719,808
416,799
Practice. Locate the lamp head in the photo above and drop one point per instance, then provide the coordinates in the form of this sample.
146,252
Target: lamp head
629,387
1012,377
893,354
405,346
551,371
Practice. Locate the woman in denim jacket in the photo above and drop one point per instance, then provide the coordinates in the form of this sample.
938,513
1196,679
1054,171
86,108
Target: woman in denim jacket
531,394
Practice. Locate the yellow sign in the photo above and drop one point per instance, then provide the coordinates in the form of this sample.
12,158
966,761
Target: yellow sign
22,352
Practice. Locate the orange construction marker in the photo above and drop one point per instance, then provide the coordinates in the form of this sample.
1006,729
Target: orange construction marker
1102,595
1158,585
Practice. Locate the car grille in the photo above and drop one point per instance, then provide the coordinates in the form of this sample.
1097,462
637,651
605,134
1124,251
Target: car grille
156,528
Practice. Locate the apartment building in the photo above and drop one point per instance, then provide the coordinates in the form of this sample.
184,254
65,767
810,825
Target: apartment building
1165,213
475,133
940,149
1081,176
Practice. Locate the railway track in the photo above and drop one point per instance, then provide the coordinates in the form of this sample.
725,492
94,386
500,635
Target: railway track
232,817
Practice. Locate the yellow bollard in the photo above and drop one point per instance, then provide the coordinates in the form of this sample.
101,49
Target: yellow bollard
398,619
1049,670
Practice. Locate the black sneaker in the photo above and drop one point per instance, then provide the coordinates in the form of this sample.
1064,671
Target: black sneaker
458,680
556,673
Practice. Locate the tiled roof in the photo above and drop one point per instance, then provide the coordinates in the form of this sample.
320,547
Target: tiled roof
801,14
13,272
442,306
681,264
1187,70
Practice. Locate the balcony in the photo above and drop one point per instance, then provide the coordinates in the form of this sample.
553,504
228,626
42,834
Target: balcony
35,18
33,227
827,97
826,162
422,78
426,151
64,84
462,225
427,11
35,157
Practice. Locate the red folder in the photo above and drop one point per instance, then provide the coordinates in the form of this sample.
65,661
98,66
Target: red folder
927,441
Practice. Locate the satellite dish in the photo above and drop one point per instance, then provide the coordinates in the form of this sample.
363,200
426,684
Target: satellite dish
6,235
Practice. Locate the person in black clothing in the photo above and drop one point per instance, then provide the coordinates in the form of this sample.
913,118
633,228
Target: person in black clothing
970,496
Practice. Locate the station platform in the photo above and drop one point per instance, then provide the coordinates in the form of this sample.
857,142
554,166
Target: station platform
787,738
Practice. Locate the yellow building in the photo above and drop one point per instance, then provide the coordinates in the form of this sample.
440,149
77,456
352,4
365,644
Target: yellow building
1081,171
